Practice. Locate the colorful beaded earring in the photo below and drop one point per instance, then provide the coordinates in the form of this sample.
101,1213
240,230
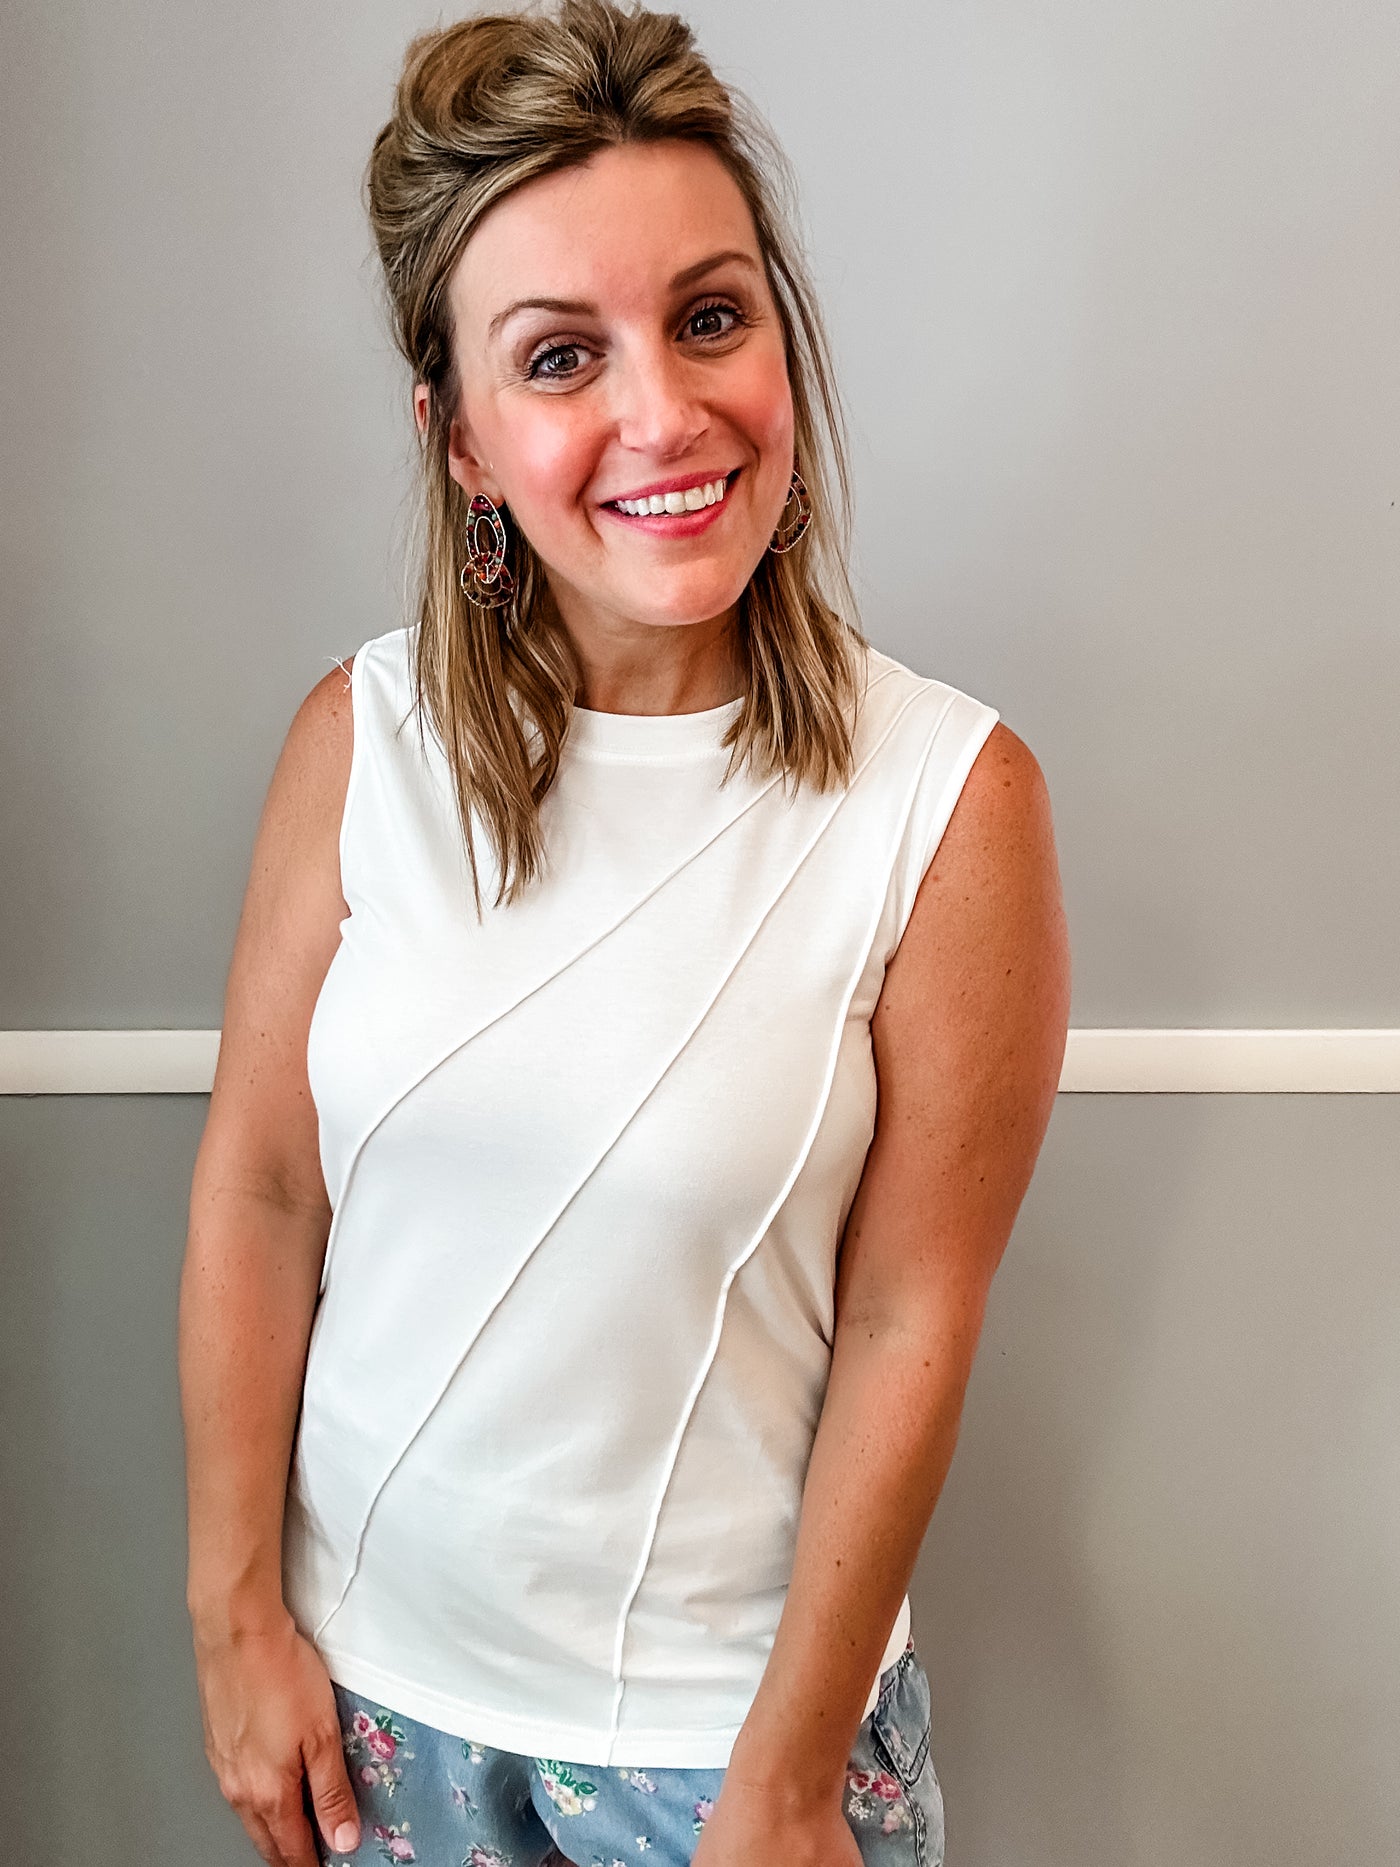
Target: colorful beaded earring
794,518
485,579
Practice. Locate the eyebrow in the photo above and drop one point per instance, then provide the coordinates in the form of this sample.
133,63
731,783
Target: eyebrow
581,308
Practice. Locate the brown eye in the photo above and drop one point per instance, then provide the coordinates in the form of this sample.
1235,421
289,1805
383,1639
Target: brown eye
709,320
537,366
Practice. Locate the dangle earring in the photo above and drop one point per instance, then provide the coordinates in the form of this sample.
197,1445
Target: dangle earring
794,518
485,579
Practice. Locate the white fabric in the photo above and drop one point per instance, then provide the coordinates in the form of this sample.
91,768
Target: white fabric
590,1161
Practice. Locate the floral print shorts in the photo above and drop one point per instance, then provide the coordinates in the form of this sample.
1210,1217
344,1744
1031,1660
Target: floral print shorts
445,1801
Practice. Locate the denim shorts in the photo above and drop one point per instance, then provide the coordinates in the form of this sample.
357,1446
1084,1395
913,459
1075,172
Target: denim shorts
445,1801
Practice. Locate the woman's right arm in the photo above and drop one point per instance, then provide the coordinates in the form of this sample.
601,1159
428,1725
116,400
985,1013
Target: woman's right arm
259,1222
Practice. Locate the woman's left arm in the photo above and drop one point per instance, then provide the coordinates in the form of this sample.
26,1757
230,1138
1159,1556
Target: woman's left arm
968,1039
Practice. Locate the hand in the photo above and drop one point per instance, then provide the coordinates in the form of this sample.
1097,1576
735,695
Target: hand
751,1826
270,1721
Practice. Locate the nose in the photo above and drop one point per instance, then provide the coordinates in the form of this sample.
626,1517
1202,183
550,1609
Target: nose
658,407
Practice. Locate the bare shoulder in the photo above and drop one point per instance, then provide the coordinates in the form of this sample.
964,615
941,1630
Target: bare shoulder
261,1121
1002,817
300,822
968,1037
978,990
314,767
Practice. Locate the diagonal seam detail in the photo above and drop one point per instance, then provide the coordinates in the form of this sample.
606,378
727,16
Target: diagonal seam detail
572,959
678,1050
765,1226
583,1181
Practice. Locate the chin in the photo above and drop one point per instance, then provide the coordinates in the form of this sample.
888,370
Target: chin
686,603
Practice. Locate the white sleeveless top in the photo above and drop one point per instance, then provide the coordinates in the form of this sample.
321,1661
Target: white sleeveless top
589,1163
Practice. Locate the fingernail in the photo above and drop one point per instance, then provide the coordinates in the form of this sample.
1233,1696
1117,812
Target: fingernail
347,1838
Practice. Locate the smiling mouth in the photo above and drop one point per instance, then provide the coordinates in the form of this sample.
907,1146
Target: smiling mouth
675,504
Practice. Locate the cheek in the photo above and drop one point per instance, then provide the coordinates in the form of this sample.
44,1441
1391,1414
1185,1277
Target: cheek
550,458
760,406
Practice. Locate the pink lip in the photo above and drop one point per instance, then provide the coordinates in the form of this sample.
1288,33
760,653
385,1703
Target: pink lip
674,486
674,524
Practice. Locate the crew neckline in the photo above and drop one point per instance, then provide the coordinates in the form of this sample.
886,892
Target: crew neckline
650,735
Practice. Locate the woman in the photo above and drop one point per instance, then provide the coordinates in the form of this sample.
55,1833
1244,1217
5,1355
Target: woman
606,1256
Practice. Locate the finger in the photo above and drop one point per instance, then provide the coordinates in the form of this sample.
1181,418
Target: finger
261,1838
325,1854
332,1798
291,1833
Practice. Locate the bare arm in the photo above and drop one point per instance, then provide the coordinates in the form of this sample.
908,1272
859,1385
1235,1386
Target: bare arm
259,1220
969,1039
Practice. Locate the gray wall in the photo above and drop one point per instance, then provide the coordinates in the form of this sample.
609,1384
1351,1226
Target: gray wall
1114,289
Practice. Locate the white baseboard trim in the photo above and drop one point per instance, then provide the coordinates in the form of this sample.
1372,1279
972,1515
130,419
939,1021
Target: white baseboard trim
1097,1062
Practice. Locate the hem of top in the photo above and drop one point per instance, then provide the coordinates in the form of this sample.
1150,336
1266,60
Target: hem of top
701,1748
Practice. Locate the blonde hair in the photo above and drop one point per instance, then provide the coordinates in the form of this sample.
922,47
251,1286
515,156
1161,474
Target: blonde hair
480,107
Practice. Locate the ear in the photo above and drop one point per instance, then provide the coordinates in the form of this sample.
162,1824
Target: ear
464,461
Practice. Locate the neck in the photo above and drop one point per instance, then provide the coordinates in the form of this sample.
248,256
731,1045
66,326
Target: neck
655,669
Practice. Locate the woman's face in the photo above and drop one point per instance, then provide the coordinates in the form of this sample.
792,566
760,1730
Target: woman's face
617,341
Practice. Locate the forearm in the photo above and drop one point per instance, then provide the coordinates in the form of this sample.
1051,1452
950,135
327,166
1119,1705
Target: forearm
882,1449
247,1296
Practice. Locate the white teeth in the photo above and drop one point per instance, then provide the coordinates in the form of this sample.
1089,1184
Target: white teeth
710,494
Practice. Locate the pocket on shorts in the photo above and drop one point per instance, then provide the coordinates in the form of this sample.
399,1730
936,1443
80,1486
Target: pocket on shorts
902,1730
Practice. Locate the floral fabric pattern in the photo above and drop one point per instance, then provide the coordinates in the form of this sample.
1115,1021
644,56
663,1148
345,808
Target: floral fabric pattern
876,1796
393,1843
439,1800
372,1748
571,1793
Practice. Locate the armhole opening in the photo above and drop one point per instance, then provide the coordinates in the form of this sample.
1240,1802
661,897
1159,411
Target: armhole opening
953,783
357,734
922,829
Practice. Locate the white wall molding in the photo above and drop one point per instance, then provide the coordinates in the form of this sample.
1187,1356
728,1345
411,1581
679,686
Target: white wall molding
1097,1062
1232,1062
107,1063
